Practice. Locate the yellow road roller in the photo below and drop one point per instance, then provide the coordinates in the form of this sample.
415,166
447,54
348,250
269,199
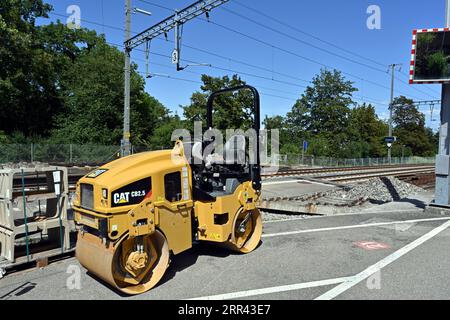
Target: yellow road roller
135,213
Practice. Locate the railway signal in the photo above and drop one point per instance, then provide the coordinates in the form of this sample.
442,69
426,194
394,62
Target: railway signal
429,65
389,141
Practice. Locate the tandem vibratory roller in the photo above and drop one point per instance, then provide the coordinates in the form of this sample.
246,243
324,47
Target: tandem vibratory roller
136,212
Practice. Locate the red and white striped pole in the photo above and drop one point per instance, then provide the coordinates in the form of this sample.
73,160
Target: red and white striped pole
442,192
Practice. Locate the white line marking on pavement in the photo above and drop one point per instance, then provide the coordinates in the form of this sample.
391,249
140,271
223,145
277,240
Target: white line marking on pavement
368,225
308,217
291,287
344,283
333,293
284,220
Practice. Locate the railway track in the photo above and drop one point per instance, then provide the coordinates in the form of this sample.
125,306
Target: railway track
312,171
338,175
420,175
354,177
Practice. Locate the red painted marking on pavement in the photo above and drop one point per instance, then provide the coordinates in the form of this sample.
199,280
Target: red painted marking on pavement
372,245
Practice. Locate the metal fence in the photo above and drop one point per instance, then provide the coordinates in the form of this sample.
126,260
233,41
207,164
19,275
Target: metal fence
98,154
311,161
56,153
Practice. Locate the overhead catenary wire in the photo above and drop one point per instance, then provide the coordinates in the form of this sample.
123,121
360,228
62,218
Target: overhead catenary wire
357,98
295,95
198,73
307,59
259,12
262,93
290,36
300,40
222,68
295,54
415,88
361,99
365,99
201,83
283,23
267,44
225,58
316,47
214,67
157,5
203,51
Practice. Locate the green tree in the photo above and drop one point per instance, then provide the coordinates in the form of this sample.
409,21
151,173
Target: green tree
231,110
368,131
28,95
410,129
297,122
3,137
92,90
161,137
323,114
274,122
66,85
287,145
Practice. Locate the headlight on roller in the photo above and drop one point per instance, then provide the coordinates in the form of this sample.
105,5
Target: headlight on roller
105,194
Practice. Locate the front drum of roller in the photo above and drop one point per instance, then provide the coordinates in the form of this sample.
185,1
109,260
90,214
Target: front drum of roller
108,261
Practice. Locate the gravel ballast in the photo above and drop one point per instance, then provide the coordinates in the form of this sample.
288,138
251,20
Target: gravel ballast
384,189
373,192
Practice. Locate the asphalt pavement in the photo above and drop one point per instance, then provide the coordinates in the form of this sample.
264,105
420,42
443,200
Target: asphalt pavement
382,255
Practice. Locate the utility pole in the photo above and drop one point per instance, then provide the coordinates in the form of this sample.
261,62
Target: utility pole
392,66
125,145
442,192
175,21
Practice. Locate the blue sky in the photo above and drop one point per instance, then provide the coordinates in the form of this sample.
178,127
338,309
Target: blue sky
280,76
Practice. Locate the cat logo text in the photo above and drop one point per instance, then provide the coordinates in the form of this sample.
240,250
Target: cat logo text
123,197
